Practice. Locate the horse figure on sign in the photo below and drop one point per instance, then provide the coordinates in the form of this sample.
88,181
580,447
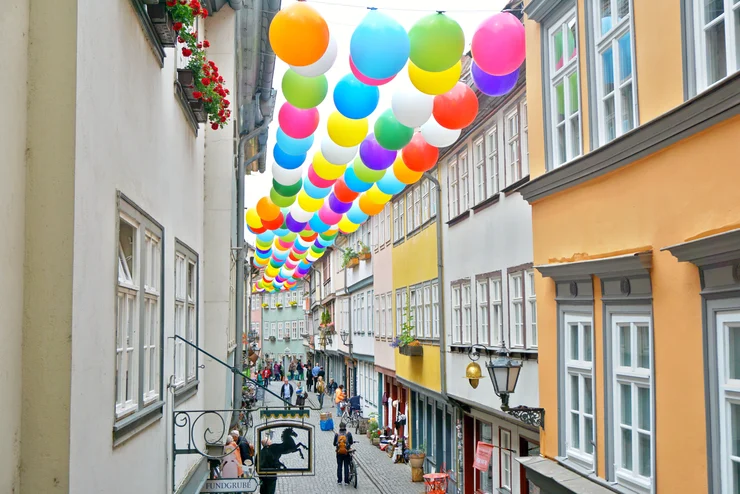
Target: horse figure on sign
276,450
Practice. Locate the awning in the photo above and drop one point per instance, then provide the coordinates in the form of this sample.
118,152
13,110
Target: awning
553,478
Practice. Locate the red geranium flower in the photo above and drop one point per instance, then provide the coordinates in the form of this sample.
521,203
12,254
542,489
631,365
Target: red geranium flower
177,26
171,3
205,81
206,43
214,126
204,13
212,64
187,52
197,94
180,39
223,119
226,103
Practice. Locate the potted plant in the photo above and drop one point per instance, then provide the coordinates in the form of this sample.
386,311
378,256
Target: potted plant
273,339
405,341
364,254
350,258
264,305
416,456
293,303
279,305
375,437
286,337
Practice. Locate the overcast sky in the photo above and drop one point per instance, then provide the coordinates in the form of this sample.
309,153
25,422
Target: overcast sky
343,16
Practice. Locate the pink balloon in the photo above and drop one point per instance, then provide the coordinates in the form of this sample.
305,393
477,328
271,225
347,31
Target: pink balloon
498,45
319,182
365,79
328,216
298,123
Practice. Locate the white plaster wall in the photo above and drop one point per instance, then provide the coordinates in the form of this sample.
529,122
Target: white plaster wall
132,136
14,23
383,283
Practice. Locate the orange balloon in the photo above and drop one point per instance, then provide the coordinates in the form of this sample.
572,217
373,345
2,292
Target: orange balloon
275,223
369,207
267,210
403,173
457,108
419,155
343,192
299,35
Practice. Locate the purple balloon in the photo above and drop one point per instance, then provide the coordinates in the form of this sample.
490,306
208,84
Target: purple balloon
494,85
375,156
265,252
293,225
338,206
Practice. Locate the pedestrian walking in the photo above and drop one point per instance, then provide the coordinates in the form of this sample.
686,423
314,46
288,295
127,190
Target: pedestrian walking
266,373
331,388
291,370
320,390
300,396
309,381
315,370
276,371
321,373
342,444
339,397
299,370
286,392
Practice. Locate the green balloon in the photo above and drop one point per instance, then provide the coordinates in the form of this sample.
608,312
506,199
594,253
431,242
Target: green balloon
304,92
290,237
281,201
287,190
328,236
437,43
390,133
366,174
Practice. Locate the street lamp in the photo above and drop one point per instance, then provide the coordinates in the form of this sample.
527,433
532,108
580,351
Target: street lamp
504,373
346,338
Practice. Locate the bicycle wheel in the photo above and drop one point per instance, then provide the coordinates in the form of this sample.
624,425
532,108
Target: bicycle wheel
353,473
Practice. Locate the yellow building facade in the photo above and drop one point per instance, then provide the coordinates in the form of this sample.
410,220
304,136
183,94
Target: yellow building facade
633,141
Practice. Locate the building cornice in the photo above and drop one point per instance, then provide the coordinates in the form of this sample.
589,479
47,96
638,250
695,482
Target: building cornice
609,267
714,249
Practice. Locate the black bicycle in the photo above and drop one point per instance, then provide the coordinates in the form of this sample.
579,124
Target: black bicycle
352,468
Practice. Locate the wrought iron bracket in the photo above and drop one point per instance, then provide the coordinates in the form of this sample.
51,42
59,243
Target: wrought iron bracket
528,415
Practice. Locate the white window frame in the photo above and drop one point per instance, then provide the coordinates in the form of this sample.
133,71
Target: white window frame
457,314
388,315
376,241
417,206
557,75
530,312
427,310
513,155
425,203
483,315
186,314
464,169
505,458
495,293
409,198
516,309
453,195
432,200
491,146
435,309
387,212
376,322
266,330
583,369
399,309
273,330
732,64
728,395
301,327
467,309
480,175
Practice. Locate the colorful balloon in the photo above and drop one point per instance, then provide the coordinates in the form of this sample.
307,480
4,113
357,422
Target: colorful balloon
294,225
434,83
292,146
355,214
300,214
326,170
317,225
336,205
317,182
365,173
267,210
374,156
328,216
345,131
353,181
418,155
346,226
335,153
404,174
284,176
280,200
438,136
287,161
437,43
310,204
323,64
365,79
379,46
298,123
344,193
494,85
411,107
287,190
304,92
390,133
457,108
274,224
315,192
253,218
389,184
299,35
369,207
499,45
353,99
377,196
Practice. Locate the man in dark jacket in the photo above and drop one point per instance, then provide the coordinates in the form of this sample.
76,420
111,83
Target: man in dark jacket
286,391
342,444
243,444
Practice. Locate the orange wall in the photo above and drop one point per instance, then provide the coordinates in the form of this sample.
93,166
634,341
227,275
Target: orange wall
659,201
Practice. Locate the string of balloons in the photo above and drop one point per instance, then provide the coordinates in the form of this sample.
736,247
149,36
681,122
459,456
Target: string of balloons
357,170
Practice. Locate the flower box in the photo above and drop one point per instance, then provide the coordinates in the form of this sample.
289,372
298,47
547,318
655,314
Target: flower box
279,306
411,350
273,339
365,257
199,110
162,21
286,338
353,262
186,78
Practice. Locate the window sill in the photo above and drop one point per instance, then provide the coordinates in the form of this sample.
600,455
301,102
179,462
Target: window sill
457,219
149,31
185,106
429,341
513,188
398,242
130,426
486,203
186,391
413,232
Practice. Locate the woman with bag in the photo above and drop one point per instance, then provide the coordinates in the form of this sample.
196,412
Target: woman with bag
320,390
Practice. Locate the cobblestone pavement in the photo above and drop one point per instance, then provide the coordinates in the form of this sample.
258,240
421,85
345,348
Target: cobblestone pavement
377,473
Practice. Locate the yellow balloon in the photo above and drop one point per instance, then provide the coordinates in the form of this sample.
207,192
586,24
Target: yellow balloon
403,173
326,170
434,83
279,248
271,271
346,226
308,203
345,131
253,219
376,196
369,207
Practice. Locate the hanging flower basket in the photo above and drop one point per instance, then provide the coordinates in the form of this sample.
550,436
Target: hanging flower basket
355,261
286,338
265,306
273,339
365,256
411,350
279,306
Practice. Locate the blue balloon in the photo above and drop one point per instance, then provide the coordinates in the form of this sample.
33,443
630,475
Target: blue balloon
493,85
355,99
355,214
281,232
287,161
389,184
266,236
317,225
293,146
353,183
315,192
379,46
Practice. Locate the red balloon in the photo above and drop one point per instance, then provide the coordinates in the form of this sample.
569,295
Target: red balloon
418,155
309,238
344,193
457,108
257,231
274,224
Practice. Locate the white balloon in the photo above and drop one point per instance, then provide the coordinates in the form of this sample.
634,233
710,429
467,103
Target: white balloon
438,136
336,154
322,65
411,107
299,214
284,176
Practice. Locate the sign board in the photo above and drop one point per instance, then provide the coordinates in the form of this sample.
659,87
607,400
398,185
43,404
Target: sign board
231,485
483,454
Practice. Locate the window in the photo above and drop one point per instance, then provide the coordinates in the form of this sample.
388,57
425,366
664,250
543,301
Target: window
454,192
398,221
417,207
485,479
457,314
727,327
464,182
435,309
388,314
301,328
432,200
411,310
467,316
425,201
427,311
496,311
504,441
483,311
480,174
525,134
266,330
273,300
716,40
516,309
387,223
377,324
399,310
370,319
565,107
632,403
617,99
492,161
185,314
531,309
377,231
579,398
409,212
280,333
138,321
513,159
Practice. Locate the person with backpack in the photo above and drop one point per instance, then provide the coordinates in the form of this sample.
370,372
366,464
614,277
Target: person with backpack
343,443
320,390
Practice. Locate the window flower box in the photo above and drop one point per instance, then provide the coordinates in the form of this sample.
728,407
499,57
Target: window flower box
411,350
186,79
365,256
279,305
353,262
286,338
163,24
273,339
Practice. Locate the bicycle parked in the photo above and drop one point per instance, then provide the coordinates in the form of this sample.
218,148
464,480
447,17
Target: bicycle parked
352,412
352,468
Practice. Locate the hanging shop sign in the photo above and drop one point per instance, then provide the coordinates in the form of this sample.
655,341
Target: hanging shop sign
483,452
230,485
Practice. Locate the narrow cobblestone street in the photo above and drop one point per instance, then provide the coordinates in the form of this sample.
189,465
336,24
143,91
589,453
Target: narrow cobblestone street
377,473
